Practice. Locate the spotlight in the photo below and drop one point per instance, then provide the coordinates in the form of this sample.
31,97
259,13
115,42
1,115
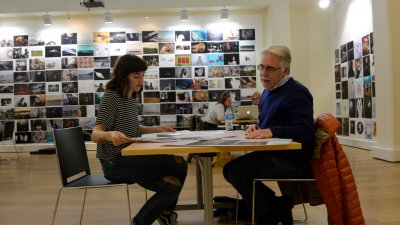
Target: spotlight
108,17
47,20
224,13
184,15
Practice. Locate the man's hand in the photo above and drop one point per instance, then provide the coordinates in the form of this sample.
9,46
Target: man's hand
167,129
258,134
118,138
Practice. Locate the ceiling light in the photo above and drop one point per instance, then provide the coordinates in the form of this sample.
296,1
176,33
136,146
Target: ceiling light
184,15
325,3
47,20
224,13
108,17
146,16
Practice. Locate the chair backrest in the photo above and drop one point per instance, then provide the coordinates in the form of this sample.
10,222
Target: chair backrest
71,154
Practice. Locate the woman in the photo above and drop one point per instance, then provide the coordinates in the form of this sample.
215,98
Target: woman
214,117
117,122
255,98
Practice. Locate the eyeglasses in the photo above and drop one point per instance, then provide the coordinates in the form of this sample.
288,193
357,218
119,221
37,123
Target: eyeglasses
268,69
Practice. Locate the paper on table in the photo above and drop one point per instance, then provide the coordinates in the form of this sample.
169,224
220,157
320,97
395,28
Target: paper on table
180,135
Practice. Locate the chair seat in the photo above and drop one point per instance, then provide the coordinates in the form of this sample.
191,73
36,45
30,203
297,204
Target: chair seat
91,180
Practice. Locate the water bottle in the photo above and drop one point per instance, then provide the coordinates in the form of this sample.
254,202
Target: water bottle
228,119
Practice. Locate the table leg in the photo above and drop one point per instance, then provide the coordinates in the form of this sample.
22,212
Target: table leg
208,190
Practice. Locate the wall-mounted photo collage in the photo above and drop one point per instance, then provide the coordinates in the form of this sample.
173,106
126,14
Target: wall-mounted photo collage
355,88
48,83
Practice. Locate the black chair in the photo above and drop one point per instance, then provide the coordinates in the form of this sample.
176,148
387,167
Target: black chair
7,136
73,161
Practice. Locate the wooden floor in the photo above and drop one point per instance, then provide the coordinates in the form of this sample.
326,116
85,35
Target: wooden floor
28,189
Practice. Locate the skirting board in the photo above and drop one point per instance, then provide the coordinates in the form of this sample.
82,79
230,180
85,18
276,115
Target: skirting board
358,143
387,154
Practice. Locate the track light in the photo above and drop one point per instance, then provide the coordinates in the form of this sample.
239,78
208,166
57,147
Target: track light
325,3
108,17
224,13
47,20
184,15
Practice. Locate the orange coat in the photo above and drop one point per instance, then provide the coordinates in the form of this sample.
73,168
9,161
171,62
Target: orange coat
334,177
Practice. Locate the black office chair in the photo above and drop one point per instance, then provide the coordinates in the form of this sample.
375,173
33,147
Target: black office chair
7,136
73,161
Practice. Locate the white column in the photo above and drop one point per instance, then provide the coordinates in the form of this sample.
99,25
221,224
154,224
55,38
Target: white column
278,24
386,14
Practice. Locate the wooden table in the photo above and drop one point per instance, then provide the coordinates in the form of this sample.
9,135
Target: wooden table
203,164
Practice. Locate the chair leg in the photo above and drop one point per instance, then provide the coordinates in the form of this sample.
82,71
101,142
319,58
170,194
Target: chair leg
129,204
237,208
55,208
253,203
304,206
83,206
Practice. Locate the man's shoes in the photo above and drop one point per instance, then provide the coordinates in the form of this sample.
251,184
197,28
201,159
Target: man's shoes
168,219
281,213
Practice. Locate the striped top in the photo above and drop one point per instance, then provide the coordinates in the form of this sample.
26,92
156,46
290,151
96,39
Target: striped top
117,114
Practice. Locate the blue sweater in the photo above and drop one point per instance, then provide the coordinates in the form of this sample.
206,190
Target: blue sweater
288,112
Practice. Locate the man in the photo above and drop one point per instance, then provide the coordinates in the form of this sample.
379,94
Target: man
286,111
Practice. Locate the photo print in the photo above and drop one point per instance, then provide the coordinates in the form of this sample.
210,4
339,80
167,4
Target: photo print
350,51
38,125
37,76
134,49
199,71
69,38
215,59
6,77
215,47
6,65
84,50
52,51
69,75
199,84
367,107
86,86
6,101
151,85
36,64
101,37
133,37
365,45
199,47
199,59
366,65
117,49
215,71
102,74
36,40
150,36
216,84
167,60
38,100
184,108
53,63
21,53
345,93
97,97
248,70
101,62
21,89
200,96
87,123
231,71
150,48
231,59
198,35
231,46
247,58
184,121
151,120
53,112
232,83
6,41
117,37
53,75
70,123
151,73
151,109
343,53
22,125
21,40
214,95
167,72
168,96
7,54
247,46
101,50
371,42
68,50
100,85
214,35
182,47
351,69
181,36
69,62
86,99
183,60
168,120
168,109
183,84
357,48
37,88
166,36
183,72
21,101
85,62
167,84
53,100
358,63
21,77
69,87
23,137
166,48
248,82
151,60
38,112
247,34
151,97
200,108
183,96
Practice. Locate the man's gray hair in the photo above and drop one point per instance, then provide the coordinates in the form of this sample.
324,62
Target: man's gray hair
281,51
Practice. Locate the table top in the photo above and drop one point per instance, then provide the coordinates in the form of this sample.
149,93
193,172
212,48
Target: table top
152,148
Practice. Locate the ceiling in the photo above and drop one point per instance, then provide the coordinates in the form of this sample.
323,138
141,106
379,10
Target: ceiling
26,8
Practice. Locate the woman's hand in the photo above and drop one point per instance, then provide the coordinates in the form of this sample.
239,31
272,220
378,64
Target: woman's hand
258,133
167,129
118,138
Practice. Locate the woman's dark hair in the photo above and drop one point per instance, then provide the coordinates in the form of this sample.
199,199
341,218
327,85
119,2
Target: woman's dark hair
124,66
